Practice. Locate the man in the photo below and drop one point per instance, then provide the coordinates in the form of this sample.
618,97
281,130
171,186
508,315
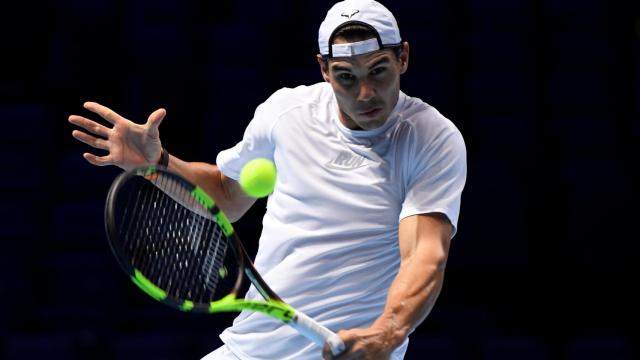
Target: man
357,231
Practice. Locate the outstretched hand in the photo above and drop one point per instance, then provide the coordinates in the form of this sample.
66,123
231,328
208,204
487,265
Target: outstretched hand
129,144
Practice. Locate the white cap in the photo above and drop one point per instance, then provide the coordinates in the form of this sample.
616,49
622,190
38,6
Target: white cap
368,12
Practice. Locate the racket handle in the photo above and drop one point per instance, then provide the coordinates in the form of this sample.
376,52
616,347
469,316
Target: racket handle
317,333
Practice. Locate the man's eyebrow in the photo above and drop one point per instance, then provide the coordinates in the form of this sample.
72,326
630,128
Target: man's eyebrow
340,68
384,60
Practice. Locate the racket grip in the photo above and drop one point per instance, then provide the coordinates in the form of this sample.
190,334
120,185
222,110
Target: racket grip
317,333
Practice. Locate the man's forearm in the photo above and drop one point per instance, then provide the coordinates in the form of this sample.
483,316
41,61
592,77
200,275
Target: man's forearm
410,299
225,191
424,247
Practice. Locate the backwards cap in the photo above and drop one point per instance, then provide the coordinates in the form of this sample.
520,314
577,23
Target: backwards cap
367,12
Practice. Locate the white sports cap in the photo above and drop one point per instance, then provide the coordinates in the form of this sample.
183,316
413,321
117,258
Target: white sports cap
367,12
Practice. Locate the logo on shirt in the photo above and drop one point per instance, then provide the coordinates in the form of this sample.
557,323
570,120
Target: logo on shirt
347,161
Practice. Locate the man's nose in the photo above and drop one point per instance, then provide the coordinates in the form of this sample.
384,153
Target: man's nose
366,91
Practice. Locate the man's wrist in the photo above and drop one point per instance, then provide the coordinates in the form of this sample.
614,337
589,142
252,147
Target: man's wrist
164,158
394,334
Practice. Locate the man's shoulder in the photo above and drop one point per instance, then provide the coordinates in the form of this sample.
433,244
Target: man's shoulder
425,118
301,95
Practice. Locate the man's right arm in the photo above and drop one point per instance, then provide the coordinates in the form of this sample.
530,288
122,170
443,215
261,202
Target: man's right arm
227,193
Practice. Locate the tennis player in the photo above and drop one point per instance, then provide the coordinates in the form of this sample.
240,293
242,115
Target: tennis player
357,231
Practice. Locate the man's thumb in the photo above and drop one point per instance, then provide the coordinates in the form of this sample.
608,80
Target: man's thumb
156,118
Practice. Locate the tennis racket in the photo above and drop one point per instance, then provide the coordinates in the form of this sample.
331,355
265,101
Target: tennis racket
177,246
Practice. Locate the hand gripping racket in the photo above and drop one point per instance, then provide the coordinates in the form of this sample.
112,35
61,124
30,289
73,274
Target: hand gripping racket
177,246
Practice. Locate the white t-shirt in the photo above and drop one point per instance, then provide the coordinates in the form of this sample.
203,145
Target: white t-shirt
329,244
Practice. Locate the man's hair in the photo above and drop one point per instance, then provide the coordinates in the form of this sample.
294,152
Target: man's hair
353,32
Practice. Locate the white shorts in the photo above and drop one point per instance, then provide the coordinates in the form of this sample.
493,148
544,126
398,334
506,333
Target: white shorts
221,353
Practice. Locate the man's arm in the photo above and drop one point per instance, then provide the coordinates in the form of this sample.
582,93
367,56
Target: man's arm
130,145
424,247
227,193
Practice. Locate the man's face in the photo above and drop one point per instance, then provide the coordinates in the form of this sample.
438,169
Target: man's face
366,86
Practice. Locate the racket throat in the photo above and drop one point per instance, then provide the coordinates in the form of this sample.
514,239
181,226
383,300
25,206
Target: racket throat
258,285
273,308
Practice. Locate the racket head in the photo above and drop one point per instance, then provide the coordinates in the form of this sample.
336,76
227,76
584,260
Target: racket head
171,239
177,246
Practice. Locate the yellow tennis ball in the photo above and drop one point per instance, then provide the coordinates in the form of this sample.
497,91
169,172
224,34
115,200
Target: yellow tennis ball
258,177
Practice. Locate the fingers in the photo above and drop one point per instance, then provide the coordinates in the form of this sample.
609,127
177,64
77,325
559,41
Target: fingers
98,160
89,125
104,112
90,140
154,122
156,117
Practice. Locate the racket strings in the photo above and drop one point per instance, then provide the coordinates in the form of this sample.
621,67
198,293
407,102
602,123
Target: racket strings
197,228
178,249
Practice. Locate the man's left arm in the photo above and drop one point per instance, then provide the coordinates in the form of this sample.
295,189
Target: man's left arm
424,247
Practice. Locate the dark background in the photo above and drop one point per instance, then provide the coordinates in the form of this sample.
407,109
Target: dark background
546,94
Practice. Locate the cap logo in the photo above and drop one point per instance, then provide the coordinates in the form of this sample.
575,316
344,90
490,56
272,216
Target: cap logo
349,16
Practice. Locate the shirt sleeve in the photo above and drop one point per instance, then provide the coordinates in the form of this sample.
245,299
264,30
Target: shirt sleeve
437,176
256,142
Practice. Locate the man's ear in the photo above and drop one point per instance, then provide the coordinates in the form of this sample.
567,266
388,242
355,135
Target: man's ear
404,58
324,68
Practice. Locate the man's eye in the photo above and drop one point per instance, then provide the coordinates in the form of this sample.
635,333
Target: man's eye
345,77
378,71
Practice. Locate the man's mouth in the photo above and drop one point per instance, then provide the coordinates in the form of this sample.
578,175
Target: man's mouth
370,112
